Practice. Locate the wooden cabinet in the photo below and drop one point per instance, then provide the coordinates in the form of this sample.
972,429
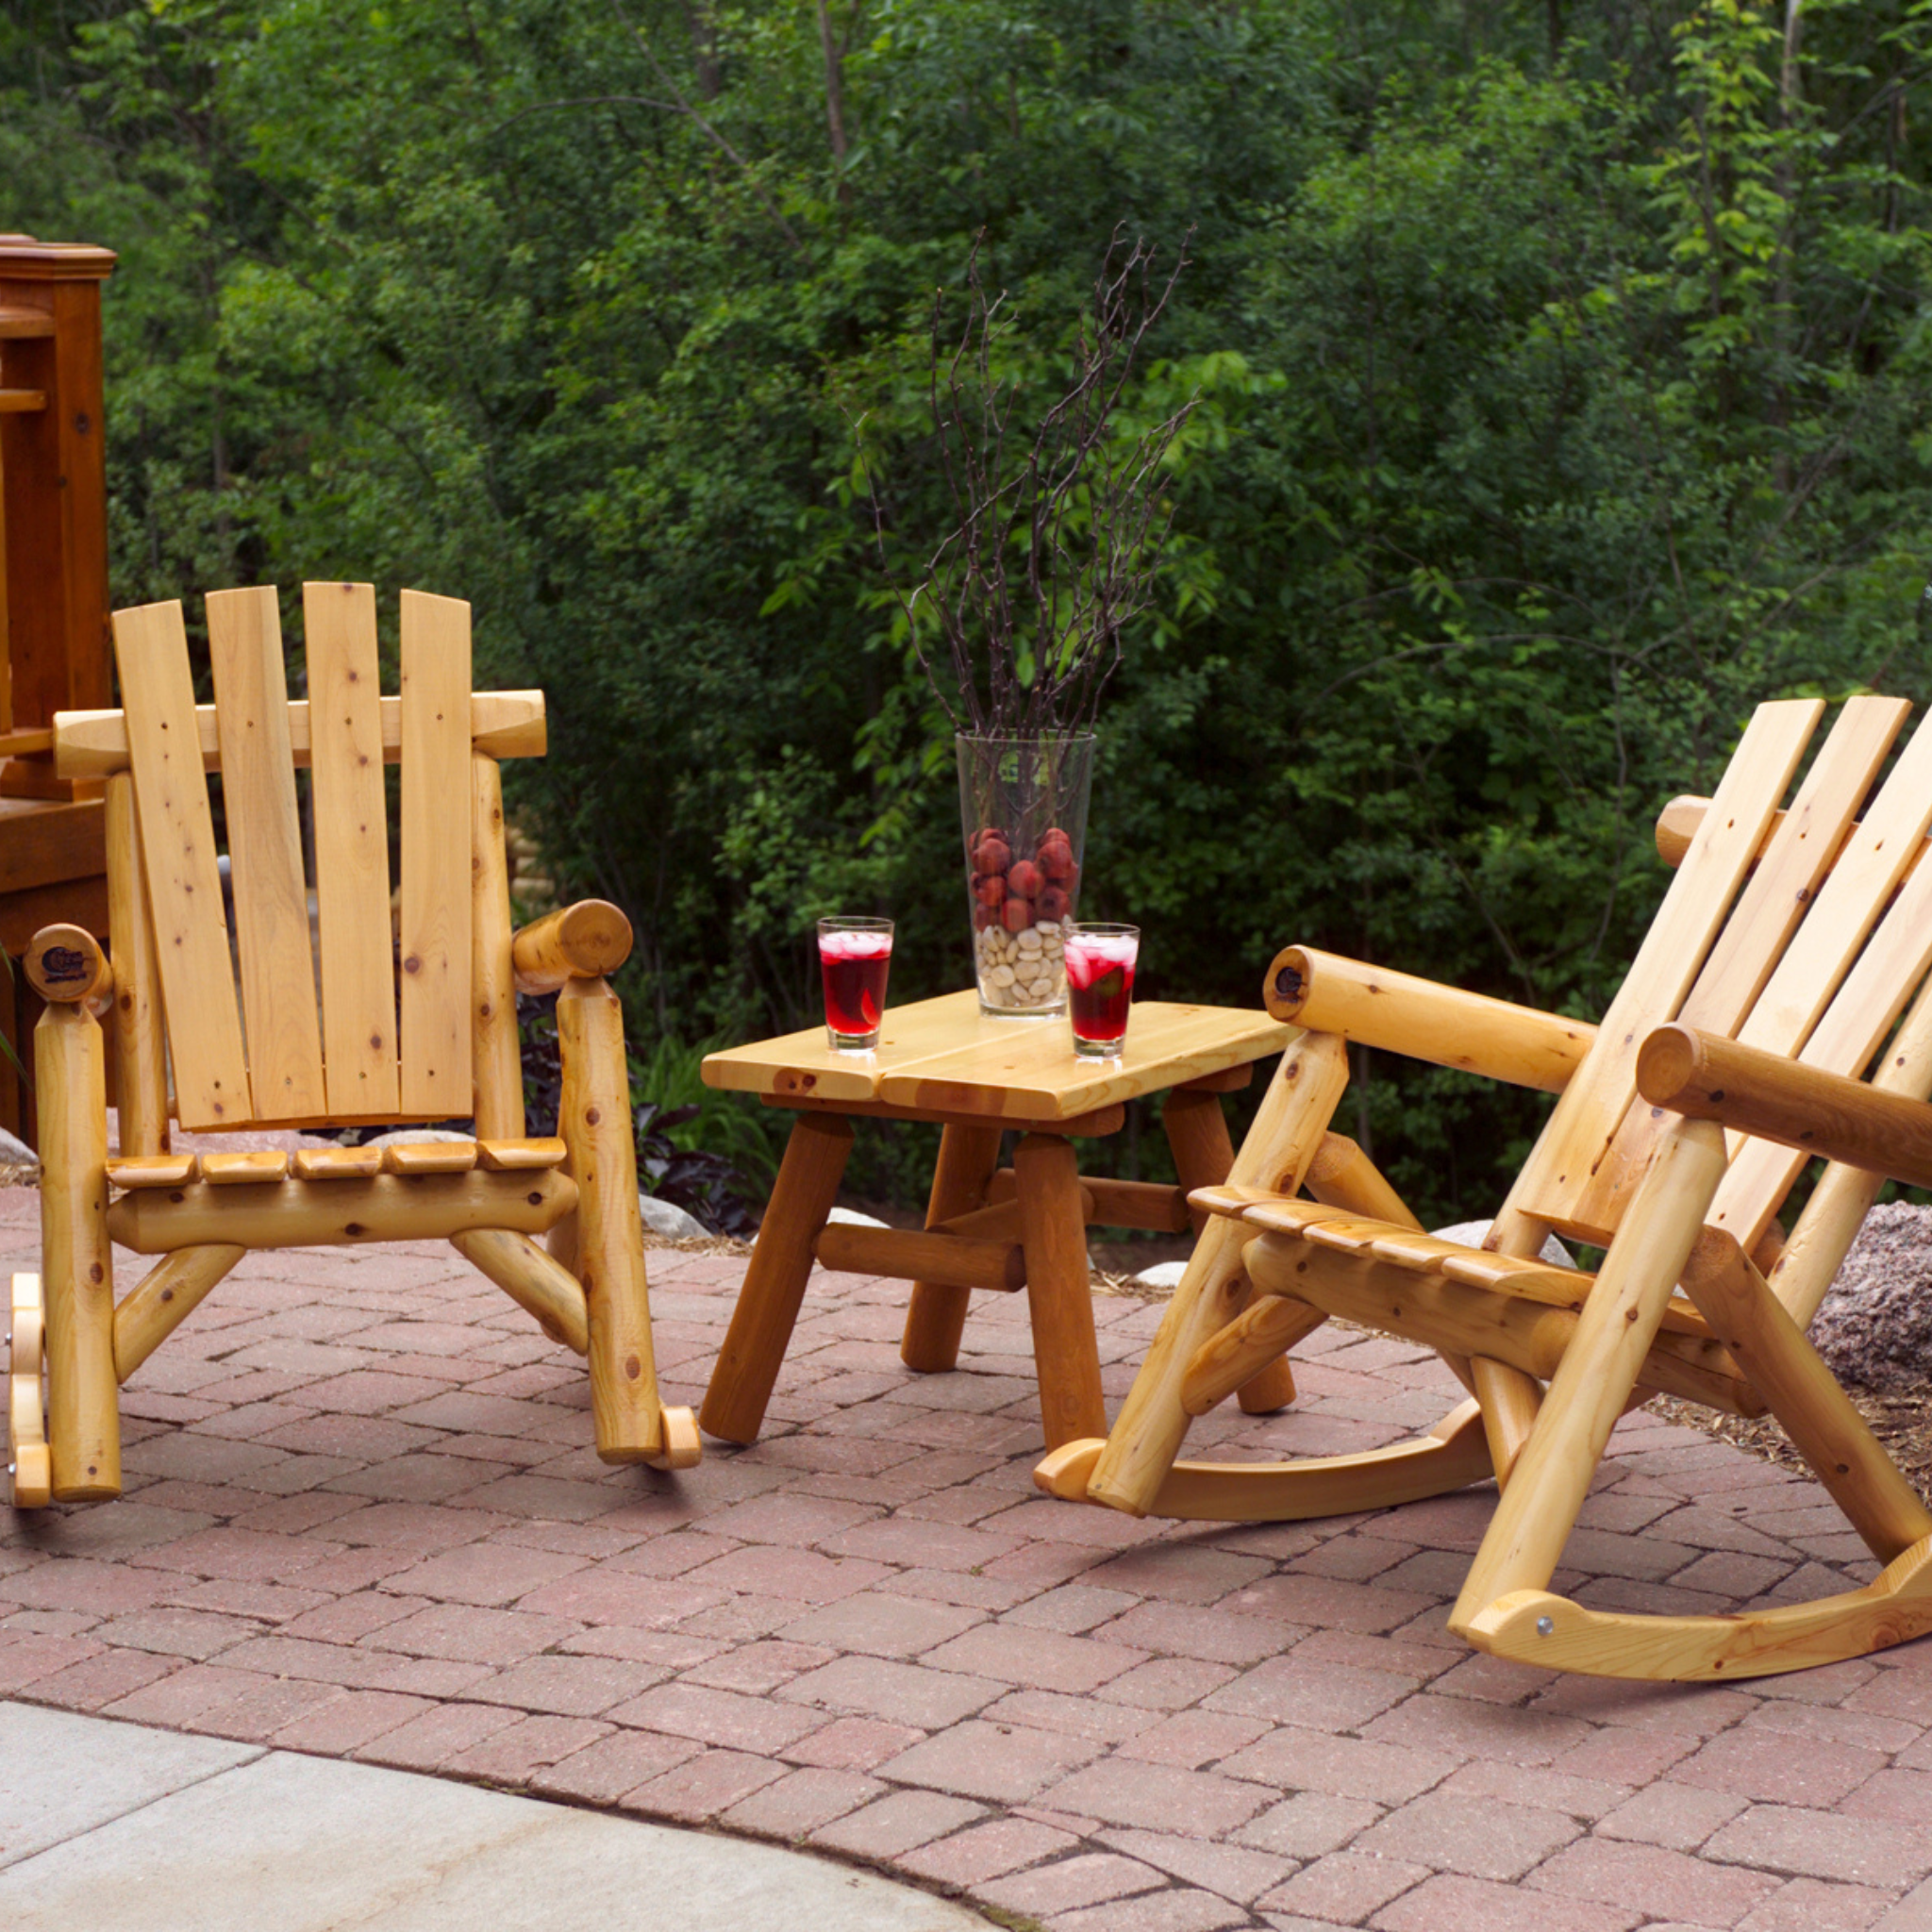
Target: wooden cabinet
53,605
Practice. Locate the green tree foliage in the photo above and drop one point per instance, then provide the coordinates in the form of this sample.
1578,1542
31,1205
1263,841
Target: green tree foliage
1562,386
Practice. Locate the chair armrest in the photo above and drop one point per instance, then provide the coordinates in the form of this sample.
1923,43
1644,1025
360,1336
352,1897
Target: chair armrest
1422,1021
66,966
588,941
1707,1077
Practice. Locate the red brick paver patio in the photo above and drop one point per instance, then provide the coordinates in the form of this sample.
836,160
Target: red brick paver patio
363,1519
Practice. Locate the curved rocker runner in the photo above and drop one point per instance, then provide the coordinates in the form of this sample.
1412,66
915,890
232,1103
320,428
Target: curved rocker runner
419,1028
1789,945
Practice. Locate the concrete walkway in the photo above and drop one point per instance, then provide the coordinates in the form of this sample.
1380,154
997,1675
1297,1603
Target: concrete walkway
123,1828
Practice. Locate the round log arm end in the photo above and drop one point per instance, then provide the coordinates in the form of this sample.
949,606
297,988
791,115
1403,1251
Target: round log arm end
1707,1077
1422,1021
588,941
67,966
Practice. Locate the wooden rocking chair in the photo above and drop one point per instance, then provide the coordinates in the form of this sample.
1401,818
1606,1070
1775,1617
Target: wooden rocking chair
1828,934
169,988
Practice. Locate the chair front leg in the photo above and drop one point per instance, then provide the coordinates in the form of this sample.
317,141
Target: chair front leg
1620,1320
76,1257
1148,1432
596,1122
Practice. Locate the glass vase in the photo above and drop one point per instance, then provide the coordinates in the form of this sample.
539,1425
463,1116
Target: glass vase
1022,813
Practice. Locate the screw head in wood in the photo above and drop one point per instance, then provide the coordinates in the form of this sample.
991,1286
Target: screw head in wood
1545,1626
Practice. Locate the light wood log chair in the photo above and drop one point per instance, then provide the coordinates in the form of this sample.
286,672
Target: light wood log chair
411,1029
1788,947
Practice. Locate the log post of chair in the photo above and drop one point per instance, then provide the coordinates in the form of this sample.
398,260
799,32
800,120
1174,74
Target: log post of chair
140,1054
537,1283
588,941
1059,1294
595,1121
495,1058
67,966
936,1317
1510,1397
83,1415
1619,1318
1260,1336
1510,1401
1342,1176
346,1213
1704,1076
767,1303
1805,1397
1422,1021
1307,1084
164,1298
1197,1136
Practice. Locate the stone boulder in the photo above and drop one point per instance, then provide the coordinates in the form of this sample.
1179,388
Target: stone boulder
1874,1325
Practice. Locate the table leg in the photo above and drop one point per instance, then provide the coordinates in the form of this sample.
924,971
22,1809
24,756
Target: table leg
1203,1155
936,1317
1052,1231
774,1286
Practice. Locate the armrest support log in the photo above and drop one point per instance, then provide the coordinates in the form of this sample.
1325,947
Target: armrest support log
588,941
1707,1077
67,966
1422,1021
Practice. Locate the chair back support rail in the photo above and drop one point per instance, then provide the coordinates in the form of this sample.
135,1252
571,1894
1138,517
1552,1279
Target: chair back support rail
1798,930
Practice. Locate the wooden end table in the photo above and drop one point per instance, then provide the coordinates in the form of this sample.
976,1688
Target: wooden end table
986,1226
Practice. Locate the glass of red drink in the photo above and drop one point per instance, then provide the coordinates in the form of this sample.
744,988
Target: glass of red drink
1100,984
855,954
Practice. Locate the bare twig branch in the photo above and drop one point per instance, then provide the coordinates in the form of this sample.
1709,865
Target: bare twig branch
1051,551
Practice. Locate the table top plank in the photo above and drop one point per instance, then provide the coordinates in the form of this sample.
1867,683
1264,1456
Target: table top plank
1028,1070
802,1064
944,1055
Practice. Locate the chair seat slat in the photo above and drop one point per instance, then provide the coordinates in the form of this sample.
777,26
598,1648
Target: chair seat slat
153,1170
337,1163
243,1169
518,1156
430,1157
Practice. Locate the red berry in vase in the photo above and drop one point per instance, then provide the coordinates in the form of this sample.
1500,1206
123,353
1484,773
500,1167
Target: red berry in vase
1052,903
991,854
1024,880
1017,916
1056,856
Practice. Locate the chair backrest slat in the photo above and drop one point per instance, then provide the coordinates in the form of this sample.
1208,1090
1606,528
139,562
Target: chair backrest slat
271,893
435,939
352,886
1863,879
1577,1137
1775,904
1853,1027
185,888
